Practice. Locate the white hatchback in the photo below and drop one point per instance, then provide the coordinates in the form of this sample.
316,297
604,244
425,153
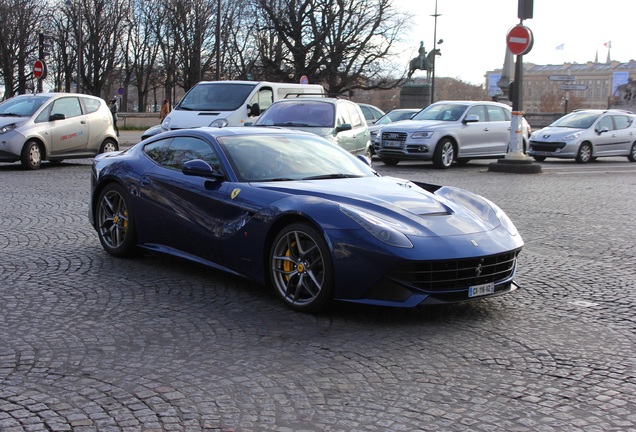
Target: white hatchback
54,127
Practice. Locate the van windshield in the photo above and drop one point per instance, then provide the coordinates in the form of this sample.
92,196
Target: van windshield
216,97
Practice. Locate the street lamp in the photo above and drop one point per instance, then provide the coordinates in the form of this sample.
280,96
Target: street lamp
433,56
69,3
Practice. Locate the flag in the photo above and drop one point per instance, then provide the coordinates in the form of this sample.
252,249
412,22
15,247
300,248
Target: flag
608,44
560,47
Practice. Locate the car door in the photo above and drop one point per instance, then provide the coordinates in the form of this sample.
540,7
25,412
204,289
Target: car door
185,213
474,137
361,134
604,140
345,138
499,123
624,135
68,126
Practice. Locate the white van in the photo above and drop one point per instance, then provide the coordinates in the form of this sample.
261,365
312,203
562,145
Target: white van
230,103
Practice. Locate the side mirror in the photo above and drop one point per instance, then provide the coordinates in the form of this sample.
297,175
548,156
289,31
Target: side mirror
253,110
198,167
57,116
344,127
473,118
602,130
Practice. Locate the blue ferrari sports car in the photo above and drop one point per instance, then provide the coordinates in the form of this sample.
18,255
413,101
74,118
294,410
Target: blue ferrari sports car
290,210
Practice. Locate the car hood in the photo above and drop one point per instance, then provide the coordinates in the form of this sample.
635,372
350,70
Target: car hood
554,133
448,211
414,125
19,121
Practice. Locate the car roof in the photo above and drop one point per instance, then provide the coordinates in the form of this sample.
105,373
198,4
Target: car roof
233,131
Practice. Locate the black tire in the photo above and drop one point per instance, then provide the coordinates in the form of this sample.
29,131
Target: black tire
632,153
444,154
108,145
462,161
300,268
31,157
539,158
369,152
584,155
115,222
390,161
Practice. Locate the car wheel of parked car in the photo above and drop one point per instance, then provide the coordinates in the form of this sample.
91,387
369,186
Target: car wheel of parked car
462,161
444,154
369,152
389,161
632,153
300,268
31,157
539,158
115,222
108,146
584,154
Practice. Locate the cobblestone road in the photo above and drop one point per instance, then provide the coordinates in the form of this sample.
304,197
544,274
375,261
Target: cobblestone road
89,342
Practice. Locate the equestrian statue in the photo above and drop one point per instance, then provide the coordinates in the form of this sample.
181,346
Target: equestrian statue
423,62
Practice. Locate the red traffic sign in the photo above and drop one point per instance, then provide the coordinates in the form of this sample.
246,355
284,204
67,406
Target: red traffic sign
39,69
304,79
519,40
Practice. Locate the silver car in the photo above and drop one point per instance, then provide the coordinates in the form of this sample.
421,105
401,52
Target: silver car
449,131
585,135
338,120
54,127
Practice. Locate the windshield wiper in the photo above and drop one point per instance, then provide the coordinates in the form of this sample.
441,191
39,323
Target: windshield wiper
292,124
10,115
332,176
276,179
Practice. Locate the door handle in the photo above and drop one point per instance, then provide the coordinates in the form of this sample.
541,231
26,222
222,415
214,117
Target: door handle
83,122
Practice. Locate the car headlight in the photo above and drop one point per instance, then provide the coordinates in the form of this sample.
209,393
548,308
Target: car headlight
219,123
422,135
374,134
572,136
378,227
165,126
503,218
7,128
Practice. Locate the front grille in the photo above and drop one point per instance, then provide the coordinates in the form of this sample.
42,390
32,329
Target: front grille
394,136
546,146
448,275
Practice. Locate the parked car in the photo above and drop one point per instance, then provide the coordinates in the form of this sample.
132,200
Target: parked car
54,127
337,120
291,210
371,113
390,117
450,131
585,135
151,131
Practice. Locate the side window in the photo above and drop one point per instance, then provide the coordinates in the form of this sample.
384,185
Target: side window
354,114
265,97
69,106
605,122
495,113
477,110
44,115
343,116
158,150
622,122
91,105
368,115
183,149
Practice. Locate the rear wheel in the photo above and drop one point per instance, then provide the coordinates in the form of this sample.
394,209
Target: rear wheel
539,158
632,153
444,154
108,146
584,155
115,222
300,268
31,157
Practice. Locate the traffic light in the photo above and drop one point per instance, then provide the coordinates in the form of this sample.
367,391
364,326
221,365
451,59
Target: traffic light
45,47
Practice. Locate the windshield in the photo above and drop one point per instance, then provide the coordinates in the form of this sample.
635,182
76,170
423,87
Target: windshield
285,156
299,113
216,97
22,106
576,120
442,112
394,116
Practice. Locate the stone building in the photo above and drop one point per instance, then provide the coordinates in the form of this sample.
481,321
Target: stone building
610,84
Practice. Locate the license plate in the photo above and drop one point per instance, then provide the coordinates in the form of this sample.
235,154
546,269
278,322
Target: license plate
480,290
391,144
542,153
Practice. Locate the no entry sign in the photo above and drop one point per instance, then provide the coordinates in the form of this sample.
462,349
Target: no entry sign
39,69
519,40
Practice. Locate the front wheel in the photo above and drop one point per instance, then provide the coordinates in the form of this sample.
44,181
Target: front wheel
444,154
584,155
115,222
632,153
389,161
300,268
31,157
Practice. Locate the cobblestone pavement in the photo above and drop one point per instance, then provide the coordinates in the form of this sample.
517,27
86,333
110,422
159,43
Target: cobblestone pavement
89,342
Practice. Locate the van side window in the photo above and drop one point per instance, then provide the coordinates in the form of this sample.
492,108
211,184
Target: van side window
264,98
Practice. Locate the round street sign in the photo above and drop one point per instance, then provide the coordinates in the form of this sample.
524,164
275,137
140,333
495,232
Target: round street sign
39,69
519,40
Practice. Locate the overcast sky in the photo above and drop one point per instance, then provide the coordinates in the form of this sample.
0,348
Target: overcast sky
474,32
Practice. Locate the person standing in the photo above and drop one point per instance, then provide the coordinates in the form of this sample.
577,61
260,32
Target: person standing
113,110
165,110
